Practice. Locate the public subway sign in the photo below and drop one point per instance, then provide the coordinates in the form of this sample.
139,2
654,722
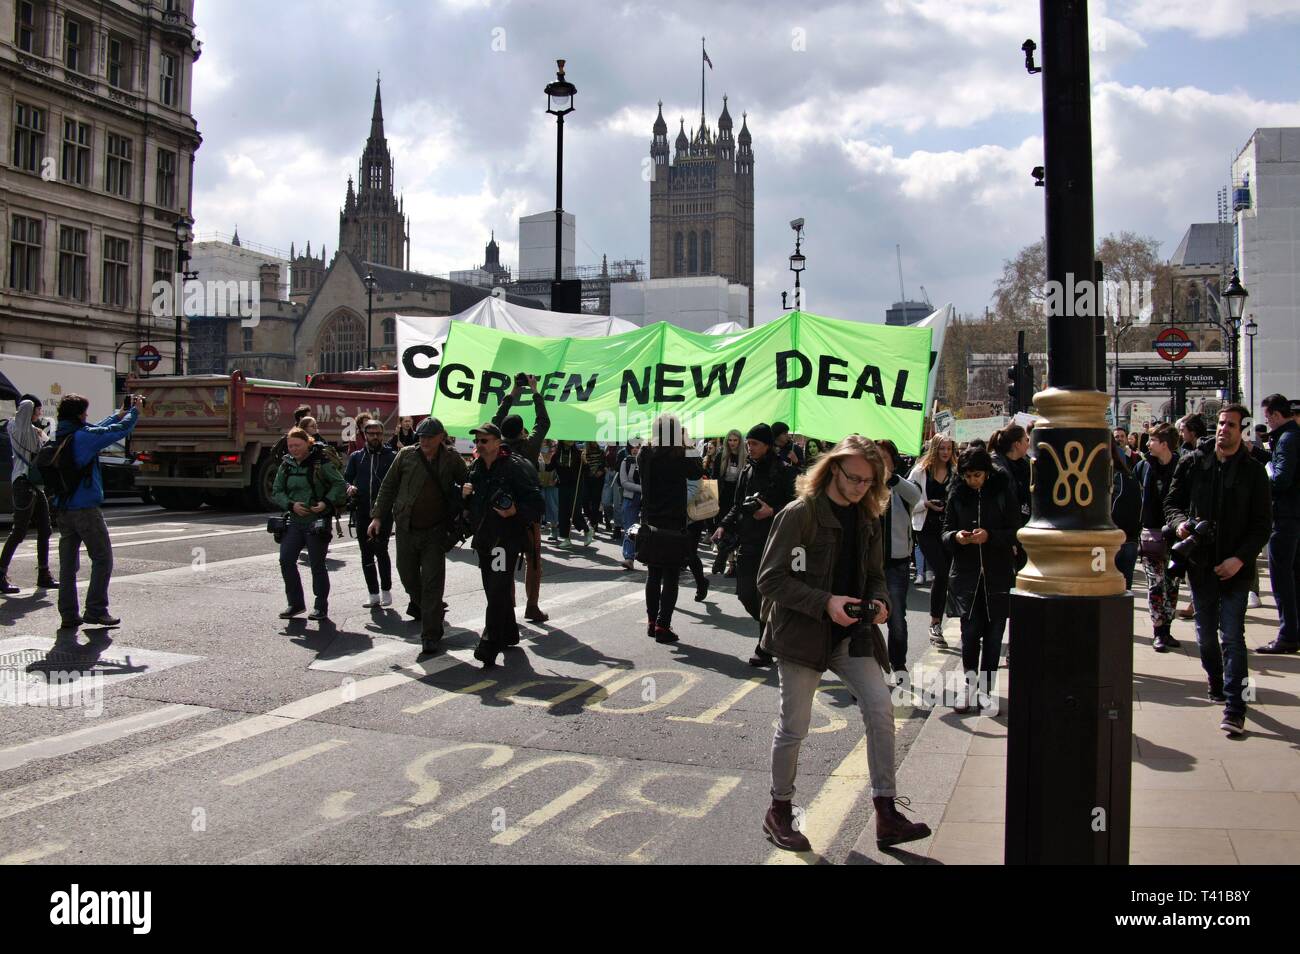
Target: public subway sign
1162,379
824,377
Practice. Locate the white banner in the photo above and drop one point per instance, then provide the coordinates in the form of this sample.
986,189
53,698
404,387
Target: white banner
420,339
937,322
981,427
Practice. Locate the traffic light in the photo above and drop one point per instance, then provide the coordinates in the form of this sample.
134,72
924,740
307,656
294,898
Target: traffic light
1027,384
1014,394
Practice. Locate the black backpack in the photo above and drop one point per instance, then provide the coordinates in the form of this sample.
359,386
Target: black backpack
58,468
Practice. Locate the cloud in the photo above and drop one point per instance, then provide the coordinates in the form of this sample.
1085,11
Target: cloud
1209,19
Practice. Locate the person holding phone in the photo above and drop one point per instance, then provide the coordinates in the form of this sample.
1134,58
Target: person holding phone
980,522
934,474
822,580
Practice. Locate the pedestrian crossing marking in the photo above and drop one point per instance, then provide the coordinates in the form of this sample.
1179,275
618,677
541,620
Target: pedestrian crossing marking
284,761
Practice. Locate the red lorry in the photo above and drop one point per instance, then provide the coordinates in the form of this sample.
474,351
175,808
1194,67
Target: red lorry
208,438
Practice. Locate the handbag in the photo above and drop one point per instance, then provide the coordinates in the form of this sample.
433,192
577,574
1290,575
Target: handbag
1152,544
657,546
704,505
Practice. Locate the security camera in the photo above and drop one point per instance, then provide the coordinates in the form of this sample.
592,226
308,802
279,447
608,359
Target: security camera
796,224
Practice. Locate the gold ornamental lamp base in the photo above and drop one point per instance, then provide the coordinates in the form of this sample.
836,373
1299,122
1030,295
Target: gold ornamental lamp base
1072,451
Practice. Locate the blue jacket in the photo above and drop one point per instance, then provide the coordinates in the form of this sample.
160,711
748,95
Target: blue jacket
87,442
366,472
1284,471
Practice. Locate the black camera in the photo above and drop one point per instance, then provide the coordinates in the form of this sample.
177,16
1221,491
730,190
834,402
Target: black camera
277,525
1192,550
751,504
521,380
856,610
321,527
502,500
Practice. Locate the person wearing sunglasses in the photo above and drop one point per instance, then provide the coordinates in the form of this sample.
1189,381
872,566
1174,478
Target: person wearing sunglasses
822,580
504,500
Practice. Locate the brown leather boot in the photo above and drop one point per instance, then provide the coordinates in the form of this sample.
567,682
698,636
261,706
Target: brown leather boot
778,824
891,827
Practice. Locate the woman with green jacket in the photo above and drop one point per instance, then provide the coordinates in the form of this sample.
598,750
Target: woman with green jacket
309,488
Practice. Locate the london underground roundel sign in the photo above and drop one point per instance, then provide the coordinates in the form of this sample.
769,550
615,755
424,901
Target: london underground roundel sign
1172,344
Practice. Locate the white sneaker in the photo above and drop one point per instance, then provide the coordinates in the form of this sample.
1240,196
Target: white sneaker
565,544
386,598
1253,601
371,600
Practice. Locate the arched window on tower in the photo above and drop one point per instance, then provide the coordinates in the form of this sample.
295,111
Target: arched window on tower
692,254
706,253
343,344
376,176
679,257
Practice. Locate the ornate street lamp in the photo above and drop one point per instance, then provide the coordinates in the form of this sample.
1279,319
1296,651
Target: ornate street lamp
184,235
1252,329
369,281
559,103
1235,295
798,261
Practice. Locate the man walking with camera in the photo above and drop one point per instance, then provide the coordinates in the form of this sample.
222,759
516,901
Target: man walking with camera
528,446
420,496
823,585
364,475
766,485
76,460
505,500
1219,505
1284,541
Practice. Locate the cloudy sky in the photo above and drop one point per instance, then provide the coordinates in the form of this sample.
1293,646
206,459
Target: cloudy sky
881,122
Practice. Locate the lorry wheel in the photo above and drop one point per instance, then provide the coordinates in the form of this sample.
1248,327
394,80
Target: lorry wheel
259,494
146,495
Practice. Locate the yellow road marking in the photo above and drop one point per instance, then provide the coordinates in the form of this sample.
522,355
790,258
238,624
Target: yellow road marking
35,853
284,761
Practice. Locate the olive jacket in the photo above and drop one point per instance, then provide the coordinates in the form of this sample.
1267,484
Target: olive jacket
316,479
406,478
796,583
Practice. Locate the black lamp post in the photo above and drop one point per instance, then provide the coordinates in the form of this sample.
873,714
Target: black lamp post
1069,732
184,235
559,103
1252,329
798,261
784,305
1235,295
370,292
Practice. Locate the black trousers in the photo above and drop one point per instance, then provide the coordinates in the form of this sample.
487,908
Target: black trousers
593,488
938,561
661,594
34,512
571,515
296,536
374,552
497,568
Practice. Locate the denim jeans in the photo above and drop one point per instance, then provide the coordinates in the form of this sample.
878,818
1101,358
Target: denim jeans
631,514
76,527
863,677
982,630
896,579
296,536
551,495
1221,633
1125,560
1284,572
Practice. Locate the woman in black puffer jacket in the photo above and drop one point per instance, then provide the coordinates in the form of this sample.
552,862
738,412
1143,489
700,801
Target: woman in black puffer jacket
665,467
979,529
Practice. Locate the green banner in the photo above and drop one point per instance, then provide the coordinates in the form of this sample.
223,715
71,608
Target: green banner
824,377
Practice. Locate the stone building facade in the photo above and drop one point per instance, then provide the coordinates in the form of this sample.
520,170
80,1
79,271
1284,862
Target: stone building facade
97,146
372,222
702,203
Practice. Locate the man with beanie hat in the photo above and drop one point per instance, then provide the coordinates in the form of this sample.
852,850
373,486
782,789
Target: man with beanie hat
528,446
765,486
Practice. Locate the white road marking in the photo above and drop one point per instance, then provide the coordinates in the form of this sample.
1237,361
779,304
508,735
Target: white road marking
35,853
79,781
284,761
57,745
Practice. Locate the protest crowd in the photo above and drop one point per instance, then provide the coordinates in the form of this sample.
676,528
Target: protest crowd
825,537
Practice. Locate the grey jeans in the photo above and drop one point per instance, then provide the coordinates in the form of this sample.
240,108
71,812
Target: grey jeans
864,678
75,528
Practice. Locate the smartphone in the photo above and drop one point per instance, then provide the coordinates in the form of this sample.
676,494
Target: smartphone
126,403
